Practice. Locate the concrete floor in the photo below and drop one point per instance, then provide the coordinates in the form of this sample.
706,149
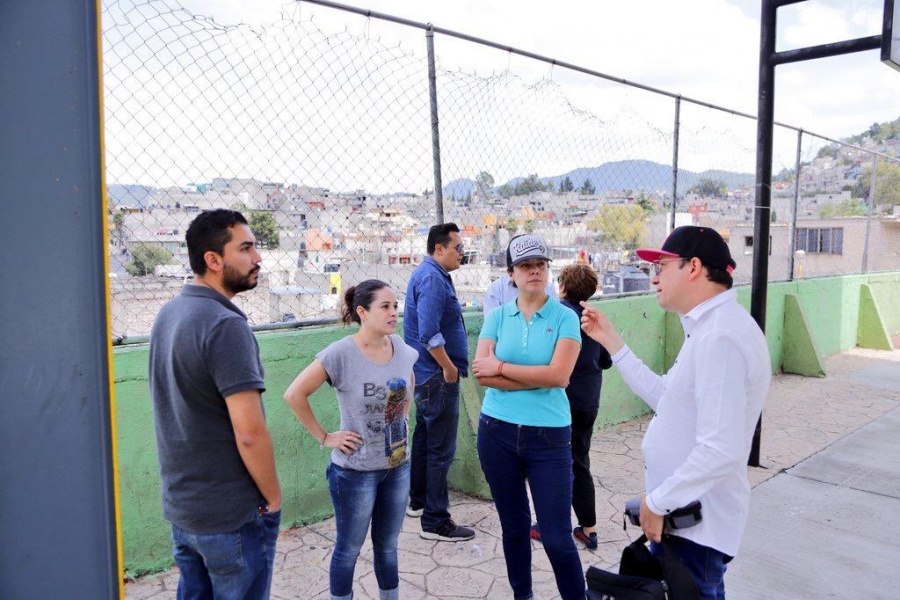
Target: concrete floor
825,509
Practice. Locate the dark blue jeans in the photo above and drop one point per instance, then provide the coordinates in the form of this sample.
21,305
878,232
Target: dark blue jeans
511,455
363,497
705,564
433,448
227,566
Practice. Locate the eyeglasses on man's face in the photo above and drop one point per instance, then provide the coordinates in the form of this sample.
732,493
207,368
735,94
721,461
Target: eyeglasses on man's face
659,264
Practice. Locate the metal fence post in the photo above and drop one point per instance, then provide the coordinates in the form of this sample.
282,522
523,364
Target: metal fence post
435,134
676,131
869,209
793,235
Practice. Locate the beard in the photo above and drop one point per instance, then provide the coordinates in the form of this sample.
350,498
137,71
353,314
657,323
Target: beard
235,282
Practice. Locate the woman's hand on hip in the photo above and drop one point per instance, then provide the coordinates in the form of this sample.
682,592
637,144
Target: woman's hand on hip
347,442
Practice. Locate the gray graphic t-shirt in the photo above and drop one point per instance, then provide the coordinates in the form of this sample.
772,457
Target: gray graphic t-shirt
372,401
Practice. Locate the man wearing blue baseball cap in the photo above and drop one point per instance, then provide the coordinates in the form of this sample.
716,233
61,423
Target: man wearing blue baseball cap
706,406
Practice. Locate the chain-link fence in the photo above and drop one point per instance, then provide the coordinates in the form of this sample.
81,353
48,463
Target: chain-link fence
324,141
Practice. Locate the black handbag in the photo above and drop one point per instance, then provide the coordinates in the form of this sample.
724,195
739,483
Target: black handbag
643,576
603,585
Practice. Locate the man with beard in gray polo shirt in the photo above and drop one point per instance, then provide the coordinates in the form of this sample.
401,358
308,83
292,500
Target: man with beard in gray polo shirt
220,490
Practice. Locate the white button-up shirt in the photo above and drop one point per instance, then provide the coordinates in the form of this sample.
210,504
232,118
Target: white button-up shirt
707,407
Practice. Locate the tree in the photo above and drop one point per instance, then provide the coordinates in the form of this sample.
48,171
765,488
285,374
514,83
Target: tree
529,225
622,226
511,225
119,227
646,204
263,226
145,258
710,188
529,185
587,188
845,208
505,191
484,182
566,185
829,151
887,184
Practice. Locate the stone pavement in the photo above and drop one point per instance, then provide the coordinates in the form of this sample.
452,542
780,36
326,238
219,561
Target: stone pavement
801,417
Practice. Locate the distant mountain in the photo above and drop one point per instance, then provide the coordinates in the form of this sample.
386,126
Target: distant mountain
634,175
643,175
128,194
458,188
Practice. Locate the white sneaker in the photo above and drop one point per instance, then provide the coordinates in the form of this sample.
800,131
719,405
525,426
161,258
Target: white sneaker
413,512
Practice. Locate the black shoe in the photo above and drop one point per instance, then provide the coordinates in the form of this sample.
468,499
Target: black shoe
448,532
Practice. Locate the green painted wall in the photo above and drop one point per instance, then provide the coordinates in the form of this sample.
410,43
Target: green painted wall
886,290
831,307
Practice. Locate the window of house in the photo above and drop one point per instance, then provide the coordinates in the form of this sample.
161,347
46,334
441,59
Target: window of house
820,240
748,245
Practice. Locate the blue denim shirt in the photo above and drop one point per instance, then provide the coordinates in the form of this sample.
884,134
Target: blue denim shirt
432,317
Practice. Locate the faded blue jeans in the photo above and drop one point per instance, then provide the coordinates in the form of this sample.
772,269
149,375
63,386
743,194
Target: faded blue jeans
363,497
227,566
433,448
512,455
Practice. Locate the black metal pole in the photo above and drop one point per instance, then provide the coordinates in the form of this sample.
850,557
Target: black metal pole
764,134
435,134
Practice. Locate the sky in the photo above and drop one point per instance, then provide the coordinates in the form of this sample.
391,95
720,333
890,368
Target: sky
704,49
259,101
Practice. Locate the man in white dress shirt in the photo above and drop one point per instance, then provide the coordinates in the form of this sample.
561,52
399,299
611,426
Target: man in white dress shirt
706,406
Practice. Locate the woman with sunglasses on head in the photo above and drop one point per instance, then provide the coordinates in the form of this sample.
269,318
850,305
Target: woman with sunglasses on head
371,373
525,355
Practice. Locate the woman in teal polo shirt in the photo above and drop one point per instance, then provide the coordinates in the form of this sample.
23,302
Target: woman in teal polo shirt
525,356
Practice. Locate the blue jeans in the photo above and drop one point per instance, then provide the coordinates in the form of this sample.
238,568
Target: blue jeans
511,455
227,566
363,497
706,565
433,448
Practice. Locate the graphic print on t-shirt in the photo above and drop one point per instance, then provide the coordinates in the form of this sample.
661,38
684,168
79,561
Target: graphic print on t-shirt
395,423
394,394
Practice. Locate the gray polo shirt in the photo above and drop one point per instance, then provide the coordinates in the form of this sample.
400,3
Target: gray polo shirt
201,351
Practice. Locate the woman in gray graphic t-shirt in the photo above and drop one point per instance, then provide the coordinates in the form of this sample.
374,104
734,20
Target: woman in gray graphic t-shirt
371,373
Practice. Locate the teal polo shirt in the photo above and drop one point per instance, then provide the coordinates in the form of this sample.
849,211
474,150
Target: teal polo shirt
529,343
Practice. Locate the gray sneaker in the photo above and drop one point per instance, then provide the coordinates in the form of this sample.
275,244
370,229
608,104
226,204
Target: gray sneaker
448,532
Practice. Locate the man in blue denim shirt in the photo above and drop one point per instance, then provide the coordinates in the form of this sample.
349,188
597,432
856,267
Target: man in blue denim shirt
433,325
